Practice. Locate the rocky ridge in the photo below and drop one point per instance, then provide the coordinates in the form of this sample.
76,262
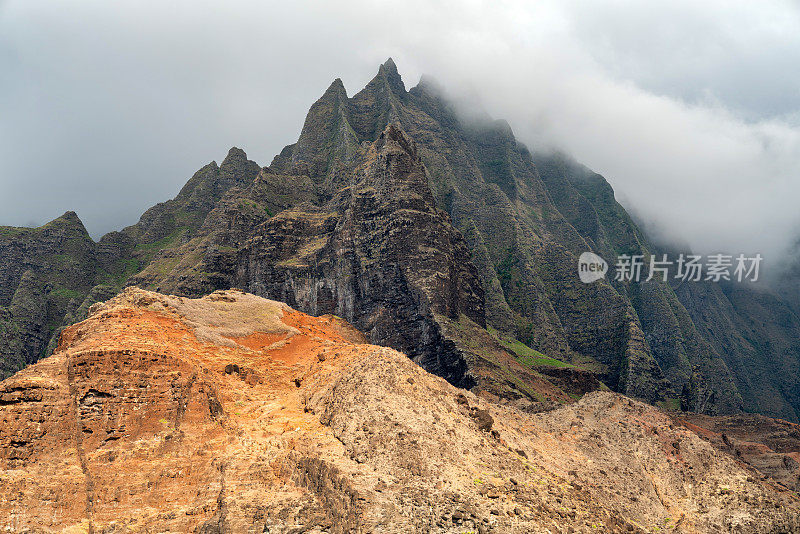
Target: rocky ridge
233,413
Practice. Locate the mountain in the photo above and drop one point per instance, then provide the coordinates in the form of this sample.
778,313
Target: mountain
49,276
443,237
524,224
234,413
788,279
759,335
45,275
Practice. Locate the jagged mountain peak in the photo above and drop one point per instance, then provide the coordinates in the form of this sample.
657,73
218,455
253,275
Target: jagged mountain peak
334,96
389,71
235,154
387,76
236,169
389,66
336,88
212,181
69,218
68,224
346,120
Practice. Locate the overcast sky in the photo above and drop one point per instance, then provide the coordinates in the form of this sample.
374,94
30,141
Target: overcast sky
690,109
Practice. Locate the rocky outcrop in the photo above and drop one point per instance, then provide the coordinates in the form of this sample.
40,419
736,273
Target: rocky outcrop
233,413
770,446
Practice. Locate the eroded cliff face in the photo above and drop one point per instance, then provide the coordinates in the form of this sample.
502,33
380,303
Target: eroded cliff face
524,221
379,254
233,413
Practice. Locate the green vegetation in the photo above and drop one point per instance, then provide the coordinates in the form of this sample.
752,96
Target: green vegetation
525,355
126,268
148,250
11,231
670,404
504,269
63,259
479,342
66,295
248,206
531,357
